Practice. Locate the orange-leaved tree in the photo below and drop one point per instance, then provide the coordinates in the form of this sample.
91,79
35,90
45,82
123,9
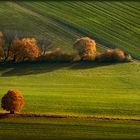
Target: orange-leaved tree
30,49
86,48
24,49
12,101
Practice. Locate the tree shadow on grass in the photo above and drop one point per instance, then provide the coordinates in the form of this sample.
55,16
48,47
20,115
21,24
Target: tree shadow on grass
28,68
90,64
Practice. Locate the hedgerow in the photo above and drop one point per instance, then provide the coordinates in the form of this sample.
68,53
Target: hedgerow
19,48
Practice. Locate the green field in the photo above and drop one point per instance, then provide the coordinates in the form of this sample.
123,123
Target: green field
75,89
110,23
53,128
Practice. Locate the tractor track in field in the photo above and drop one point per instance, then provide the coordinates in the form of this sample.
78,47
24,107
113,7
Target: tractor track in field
67,26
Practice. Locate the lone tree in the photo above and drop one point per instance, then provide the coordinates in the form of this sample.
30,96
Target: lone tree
13,101
86,48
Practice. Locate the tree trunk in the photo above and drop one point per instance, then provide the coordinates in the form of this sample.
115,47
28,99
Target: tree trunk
12,112
14,58
5,59
6,55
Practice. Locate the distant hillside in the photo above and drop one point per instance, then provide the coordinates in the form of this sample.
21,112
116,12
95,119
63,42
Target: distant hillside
111,24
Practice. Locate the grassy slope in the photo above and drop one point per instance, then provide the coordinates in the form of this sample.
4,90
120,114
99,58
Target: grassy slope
112,24
53,128
76,88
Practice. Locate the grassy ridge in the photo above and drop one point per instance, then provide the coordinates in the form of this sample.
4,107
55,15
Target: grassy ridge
67,128
111,23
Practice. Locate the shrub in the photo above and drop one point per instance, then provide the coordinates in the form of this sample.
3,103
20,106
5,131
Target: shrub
58,52
111,55
57,56
118,55
86,48
105,56
12,101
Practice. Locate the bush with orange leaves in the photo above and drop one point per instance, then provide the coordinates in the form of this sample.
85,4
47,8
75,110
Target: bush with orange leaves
24,49
86,48
13,101
112,55
57,55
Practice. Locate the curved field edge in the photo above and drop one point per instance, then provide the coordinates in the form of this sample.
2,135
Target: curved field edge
110,23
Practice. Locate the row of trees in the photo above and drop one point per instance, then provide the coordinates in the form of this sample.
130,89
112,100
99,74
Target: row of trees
19,49
86,49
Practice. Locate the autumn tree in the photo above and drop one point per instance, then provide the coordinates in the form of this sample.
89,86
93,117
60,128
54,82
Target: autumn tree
86,48
7,40
12,101
17,48
24,49
29,49
44,43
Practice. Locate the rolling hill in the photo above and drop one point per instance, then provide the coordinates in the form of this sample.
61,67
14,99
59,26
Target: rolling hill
95,93
110,23
80,89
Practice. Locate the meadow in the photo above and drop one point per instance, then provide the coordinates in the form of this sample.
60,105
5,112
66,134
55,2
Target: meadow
83,90
76,88
96,93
